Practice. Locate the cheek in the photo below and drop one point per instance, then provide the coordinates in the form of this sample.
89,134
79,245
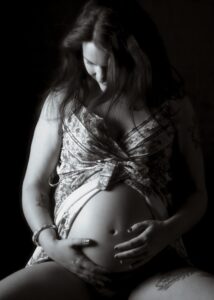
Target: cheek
89,69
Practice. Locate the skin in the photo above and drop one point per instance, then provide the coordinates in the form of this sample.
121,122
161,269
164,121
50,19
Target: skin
35,192
154,235
96,62
151,236
185,283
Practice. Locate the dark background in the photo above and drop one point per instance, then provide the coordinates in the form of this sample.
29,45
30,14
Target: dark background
31,32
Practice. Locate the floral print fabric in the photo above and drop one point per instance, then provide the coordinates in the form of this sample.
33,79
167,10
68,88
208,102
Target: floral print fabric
140,158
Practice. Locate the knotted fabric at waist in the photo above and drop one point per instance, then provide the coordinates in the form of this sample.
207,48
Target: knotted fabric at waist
109,171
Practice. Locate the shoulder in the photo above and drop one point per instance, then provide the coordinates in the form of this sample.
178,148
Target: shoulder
181,111
51,106
187,126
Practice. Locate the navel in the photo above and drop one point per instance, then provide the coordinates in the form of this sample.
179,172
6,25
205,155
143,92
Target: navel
113,231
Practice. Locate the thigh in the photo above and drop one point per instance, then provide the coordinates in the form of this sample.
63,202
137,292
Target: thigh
182,283
44,281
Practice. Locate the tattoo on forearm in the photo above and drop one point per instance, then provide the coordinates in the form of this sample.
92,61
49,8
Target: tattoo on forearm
194,133
168,279
43,201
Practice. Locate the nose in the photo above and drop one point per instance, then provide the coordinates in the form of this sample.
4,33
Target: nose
100,74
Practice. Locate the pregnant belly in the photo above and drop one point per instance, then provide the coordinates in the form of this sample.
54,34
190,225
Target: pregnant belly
105,219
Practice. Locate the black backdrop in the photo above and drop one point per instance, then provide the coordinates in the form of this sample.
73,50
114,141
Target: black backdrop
29,55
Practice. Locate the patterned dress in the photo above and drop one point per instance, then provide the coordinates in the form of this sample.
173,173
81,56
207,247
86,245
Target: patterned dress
141,158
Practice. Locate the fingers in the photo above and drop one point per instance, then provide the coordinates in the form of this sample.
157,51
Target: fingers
132,243
86,263
139,226
89,271
80,243
100,270
140,240
140,262
133,253
92,277
93,280
132,264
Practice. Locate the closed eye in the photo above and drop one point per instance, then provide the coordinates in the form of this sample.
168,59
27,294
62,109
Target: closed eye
93,64
89,62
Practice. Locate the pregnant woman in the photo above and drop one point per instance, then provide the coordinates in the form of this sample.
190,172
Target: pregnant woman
97,192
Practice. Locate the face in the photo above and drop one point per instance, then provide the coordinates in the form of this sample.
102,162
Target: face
95,61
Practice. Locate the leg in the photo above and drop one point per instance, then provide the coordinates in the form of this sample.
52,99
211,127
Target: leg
44,281
183,283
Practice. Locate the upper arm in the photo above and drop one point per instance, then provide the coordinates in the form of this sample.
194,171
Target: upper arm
189,143
46,145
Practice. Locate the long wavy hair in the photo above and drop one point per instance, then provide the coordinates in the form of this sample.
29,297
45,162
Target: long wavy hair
138,65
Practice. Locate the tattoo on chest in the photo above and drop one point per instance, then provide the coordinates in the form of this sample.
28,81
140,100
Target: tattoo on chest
167,280
43,201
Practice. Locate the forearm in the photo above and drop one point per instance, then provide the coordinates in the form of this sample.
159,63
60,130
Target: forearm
188,141
36,208
188,215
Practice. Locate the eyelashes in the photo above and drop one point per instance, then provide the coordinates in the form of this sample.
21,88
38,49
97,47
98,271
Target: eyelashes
104,67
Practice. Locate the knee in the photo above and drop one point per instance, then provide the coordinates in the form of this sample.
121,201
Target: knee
146,291
134,296
7,290
138,295
19,285
141,294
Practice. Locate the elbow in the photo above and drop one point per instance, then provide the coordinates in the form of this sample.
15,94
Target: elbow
31,188
27,185
32,183
26,188
27,191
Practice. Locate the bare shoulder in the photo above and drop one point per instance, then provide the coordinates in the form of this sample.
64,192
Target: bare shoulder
187,125
182,112
51,107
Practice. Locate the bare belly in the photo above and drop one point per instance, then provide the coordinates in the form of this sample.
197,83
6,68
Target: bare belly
105,219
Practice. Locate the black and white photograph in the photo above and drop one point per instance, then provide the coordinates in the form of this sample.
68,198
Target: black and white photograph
107,150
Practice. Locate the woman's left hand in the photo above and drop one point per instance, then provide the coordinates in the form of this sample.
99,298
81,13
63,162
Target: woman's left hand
150,238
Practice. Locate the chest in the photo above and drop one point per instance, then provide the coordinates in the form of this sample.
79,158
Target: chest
120,119
87,138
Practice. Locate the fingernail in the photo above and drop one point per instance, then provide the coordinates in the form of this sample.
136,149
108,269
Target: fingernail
116,248
86,242
130,230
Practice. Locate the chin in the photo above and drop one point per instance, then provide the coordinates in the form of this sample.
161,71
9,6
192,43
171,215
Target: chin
103,87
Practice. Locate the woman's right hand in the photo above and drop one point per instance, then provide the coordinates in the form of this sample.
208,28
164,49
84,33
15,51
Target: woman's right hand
68,253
